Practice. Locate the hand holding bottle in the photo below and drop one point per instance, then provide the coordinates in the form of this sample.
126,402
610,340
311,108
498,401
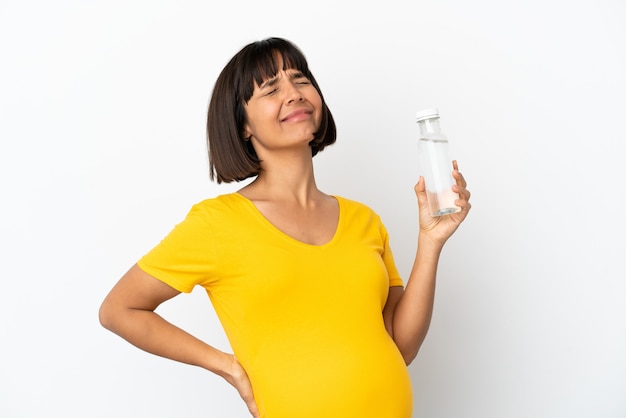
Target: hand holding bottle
439,228
434,164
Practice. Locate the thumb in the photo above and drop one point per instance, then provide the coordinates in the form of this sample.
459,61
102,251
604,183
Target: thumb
420,191
247,396
254,410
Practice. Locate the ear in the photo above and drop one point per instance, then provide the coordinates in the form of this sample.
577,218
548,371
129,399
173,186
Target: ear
246,132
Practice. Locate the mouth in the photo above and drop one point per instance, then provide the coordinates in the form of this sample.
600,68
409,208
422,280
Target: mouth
297,115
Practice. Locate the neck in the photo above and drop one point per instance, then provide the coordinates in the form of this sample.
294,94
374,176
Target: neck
287,177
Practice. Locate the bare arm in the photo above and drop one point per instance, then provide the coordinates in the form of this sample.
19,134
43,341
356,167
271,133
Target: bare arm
413,306
410,310
128,311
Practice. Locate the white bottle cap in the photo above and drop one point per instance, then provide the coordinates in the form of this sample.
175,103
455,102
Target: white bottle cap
432,112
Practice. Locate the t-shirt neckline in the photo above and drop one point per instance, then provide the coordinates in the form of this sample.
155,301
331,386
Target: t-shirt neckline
257,213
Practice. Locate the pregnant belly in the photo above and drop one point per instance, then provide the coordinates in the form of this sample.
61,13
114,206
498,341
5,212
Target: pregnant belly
339,380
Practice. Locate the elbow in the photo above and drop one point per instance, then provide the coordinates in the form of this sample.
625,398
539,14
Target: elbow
409,345
409,357
409,348
106,315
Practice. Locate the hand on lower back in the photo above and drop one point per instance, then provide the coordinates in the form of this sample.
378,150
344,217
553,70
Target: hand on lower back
239,379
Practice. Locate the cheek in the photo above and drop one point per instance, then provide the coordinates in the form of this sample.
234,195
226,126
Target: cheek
255,115
318,119
317,104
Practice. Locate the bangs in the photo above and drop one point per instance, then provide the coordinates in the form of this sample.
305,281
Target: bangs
263,61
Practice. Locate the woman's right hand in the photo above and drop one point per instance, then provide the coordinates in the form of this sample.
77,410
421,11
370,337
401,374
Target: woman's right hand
128,310
238,377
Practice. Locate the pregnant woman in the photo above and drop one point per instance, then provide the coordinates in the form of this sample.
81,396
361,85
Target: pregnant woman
304,283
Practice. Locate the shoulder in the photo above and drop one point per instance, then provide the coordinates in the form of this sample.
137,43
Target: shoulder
225,205
223,201
355,208
360,218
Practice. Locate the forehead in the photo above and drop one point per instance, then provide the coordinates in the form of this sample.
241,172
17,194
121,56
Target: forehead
274,61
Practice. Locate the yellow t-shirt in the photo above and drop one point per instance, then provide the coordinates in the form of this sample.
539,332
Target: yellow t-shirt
305,321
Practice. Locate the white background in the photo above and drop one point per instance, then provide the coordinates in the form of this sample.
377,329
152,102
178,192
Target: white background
102,115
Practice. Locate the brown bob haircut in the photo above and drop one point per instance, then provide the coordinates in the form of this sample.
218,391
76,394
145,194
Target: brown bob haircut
231,157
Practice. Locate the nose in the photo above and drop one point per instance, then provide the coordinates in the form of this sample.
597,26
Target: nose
292,93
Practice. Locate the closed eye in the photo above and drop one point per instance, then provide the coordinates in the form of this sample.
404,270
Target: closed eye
299,78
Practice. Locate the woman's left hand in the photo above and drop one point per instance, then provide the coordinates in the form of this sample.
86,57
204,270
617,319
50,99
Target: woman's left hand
440,228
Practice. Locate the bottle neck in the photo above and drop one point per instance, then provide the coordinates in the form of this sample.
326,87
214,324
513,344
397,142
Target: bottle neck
429,126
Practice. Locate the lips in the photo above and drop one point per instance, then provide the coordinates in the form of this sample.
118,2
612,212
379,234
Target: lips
297,115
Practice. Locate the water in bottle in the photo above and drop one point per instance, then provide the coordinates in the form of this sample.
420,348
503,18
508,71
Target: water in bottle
435,164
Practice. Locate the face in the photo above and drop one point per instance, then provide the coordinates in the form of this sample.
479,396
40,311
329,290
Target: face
284,112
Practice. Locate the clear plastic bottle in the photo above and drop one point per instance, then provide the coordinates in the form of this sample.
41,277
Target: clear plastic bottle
435,164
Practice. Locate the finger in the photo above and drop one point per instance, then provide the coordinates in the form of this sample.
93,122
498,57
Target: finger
460,179
248,398
419,186
466,206
420,191
462,192
254,411
244,387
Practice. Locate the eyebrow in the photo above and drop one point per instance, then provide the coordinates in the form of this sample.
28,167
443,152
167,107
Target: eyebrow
272,81
269,83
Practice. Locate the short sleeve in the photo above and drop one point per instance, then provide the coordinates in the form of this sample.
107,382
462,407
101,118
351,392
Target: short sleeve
394,276
186,256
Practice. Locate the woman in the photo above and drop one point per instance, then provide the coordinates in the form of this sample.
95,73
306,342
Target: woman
304,283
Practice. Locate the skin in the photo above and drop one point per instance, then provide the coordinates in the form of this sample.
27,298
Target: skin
283,115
